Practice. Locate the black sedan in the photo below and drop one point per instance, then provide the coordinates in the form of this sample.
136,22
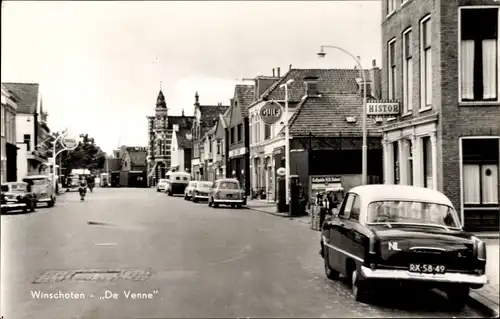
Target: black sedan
17,196
395,235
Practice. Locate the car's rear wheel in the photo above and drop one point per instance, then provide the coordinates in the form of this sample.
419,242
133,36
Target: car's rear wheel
195,200
238,206
458,296
216,205
209,202
329,272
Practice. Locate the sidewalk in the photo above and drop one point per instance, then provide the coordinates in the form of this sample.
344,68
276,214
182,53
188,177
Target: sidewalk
487,298
270,208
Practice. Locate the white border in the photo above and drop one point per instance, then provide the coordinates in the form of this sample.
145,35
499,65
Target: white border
406,31
460,52
423,106
460,161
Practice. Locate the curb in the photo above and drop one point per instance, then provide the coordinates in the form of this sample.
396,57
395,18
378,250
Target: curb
279,214
483,304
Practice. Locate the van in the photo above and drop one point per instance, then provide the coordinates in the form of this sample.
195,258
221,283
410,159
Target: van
177,182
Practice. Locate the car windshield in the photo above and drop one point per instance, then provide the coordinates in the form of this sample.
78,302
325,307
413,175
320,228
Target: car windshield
412,212
18,187
229,185
36,181
205,184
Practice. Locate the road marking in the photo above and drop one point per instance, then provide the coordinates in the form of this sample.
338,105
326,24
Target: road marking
106,244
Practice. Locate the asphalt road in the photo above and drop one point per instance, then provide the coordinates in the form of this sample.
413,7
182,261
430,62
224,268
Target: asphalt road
193,260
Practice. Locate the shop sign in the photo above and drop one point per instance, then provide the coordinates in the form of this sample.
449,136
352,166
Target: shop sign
382,108
237,152
270,113
325,179
69,142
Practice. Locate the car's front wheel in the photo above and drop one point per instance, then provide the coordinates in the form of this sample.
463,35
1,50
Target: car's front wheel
358,290
51,202
458,296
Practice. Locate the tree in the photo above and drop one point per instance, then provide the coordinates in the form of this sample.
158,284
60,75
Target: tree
86,155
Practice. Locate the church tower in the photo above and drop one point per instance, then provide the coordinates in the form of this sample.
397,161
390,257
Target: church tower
161,139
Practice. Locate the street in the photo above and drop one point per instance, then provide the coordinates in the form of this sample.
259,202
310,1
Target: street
130,253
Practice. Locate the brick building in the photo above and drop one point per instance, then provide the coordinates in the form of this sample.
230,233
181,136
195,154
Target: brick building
444,70
8,150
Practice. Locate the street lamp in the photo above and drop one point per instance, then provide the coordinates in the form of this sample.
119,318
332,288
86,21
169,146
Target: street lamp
364,149
287,143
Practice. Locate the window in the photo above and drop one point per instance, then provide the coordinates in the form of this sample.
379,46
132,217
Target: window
392,68
267,131
27,141
346,209
479,54
240,127
391,6
427,152
426,63
409,153
355,209
210,144
218,147
232,137
395,154
407,72
480,159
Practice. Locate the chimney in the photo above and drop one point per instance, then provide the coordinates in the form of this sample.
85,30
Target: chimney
311,82
376,81
278,72
182,112
290,67
273,73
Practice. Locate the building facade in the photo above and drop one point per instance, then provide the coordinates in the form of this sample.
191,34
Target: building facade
8,150
205,119
31,137
444,70
182,140
237,136
324,116
160,133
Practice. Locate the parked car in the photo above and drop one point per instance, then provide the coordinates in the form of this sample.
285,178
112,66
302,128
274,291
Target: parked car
201,191
188,192
162,185
227,191
177,183
43,188
402,235
17,196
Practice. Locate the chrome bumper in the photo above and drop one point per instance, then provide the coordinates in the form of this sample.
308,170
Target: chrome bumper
406,275
229,201
200,196
44,199
14,205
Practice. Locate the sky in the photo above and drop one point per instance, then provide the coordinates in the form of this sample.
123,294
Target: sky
100,64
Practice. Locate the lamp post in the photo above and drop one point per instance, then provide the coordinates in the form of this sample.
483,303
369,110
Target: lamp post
364,149
287,143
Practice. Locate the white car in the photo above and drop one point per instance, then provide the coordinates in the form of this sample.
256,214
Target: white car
161,186
201,191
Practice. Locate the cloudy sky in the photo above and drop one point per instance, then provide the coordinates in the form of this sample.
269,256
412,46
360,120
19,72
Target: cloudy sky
96,61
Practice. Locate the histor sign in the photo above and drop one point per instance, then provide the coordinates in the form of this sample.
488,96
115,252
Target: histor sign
382,108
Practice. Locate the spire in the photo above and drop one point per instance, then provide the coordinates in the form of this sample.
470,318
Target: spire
160,101
196,98
182,112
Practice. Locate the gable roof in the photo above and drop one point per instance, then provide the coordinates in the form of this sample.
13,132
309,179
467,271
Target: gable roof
329,81
181,120
28,96
209,115
244,94
182,141
325,116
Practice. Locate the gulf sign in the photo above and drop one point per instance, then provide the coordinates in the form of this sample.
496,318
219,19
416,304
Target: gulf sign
270,113
382,108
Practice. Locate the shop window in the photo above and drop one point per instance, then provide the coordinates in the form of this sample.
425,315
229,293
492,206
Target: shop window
479,54
427,152
480,160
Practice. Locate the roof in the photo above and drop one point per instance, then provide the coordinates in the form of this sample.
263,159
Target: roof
370,193
209,116
326,116
28,96
245,95
340,81
182,141
181,120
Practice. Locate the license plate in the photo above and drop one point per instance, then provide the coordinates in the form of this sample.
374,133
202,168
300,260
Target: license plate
427,268
229,195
